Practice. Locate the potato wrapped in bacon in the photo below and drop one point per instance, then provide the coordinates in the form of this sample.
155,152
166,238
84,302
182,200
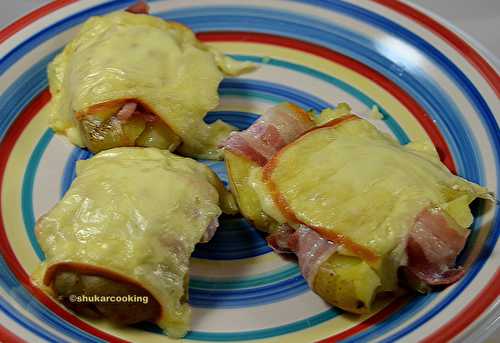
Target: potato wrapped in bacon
132,79
356,207
127,227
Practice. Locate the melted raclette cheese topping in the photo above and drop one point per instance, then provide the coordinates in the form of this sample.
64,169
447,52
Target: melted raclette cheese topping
140,57
356,182
137,212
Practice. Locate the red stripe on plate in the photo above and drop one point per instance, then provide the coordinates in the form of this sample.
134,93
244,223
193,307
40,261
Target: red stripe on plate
377,318
6,147
452,38
470,313
9,337
491,292
418,112
31,17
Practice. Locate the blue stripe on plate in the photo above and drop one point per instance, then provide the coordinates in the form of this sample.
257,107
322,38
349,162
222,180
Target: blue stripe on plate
22,92
277,275
254,334
235,239
354,92
256,296
27,190
281,92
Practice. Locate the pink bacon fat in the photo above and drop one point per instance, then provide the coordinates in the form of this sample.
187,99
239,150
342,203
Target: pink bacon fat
126,111
132,109
280,125
311,249
210,232
140,7
433,246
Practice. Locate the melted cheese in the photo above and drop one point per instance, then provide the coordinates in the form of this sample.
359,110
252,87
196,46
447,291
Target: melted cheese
134,56
138,212
361,184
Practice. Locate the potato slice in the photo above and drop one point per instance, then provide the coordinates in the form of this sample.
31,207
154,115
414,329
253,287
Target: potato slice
110,133
347,282
159,135
238,170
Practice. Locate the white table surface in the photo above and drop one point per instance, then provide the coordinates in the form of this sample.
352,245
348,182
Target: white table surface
477,20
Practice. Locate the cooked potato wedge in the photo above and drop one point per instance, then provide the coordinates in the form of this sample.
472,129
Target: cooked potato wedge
347,282
238,170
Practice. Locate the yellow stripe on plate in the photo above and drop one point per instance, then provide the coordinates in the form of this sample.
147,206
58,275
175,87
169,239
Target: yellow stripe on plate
392,105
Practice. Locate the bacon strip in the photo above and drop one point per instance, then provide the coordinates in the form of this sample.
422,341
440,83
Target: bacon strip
283,240
277,127
147,117
126,111
140,7
433,243
433,246
210,232
311,249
